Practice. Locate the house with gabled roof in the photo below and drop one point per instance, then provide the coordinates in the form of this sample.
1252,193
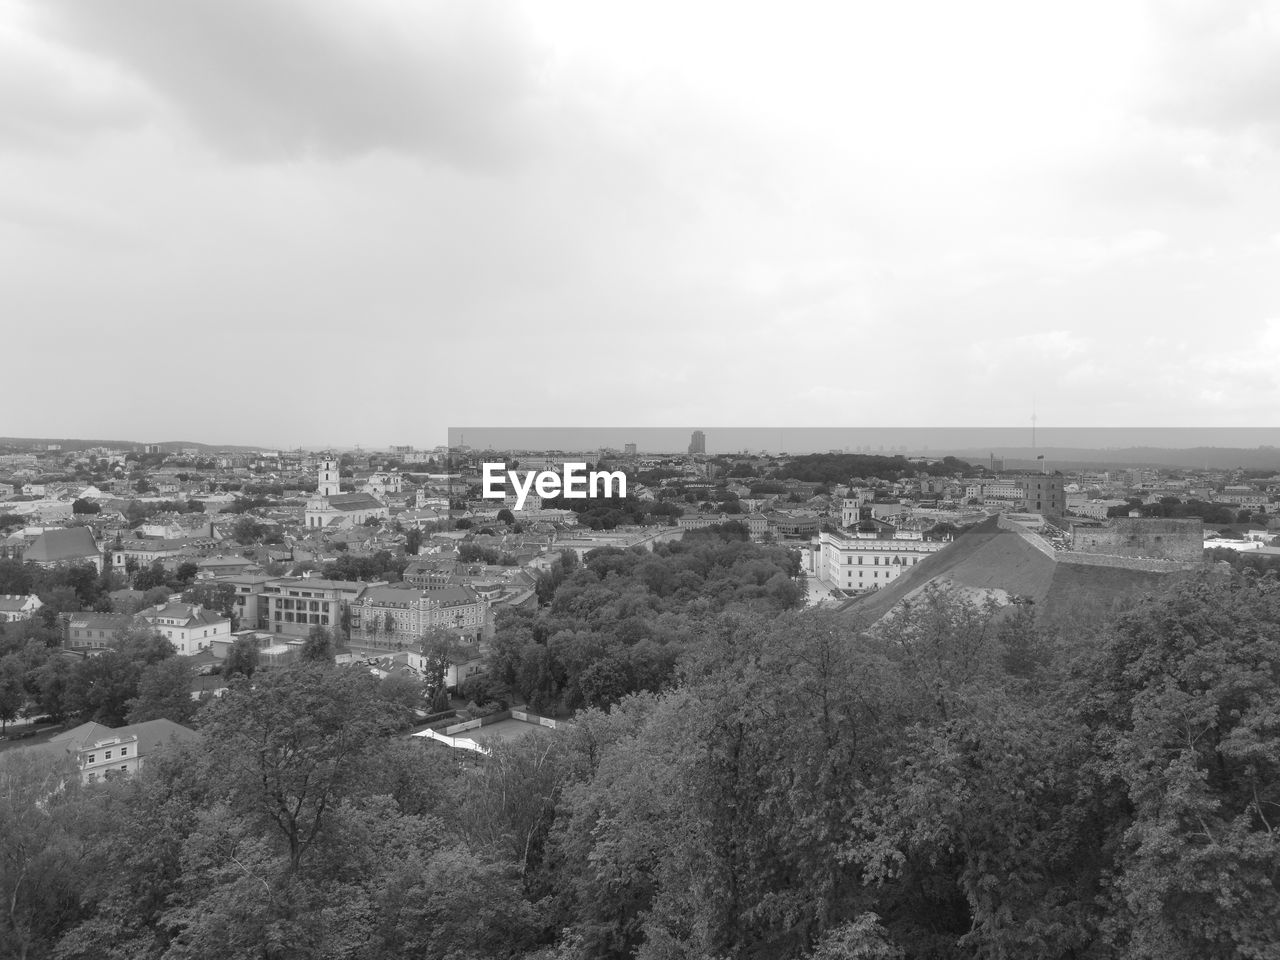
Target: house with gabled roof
88,633
188,626
15,606
99,750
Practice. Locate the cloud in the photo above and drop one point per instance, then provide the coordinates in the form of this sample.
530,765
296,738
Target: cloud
50,98
1047,258
1219,67
269,80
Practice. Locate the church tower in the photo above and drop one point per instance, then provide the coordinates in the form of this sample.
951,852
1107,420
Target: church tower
329,485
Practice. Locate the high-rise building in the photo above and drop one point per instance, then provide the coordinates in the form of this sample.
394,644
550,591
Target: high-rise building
628,449
697,443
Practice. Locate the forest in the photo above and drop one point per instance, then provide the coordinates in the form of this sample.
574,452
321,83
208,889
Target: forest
955,781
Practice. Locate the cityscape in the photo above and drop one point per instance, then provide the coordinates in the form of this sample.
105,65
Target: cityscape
553,480
433,609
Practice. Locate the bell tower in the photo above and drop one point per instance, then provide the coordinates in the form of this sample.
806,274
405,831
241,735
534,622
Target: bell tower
329,484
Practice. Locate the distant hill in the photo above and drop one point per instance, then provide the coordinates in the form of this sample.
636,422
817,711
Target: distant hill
1067,458
989,558
168,446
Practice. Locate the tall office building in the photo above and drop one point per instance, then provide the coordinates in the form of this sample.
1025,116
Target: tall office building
697,443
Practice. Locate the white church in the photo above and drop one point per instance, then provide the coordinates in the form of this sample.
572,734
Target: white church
331,509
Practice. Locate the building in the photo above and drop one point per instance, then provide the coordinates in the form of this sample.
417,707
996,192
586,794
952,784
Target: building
92,632
380,484
793,525
143,553
291,606
1043,493
697,443
223,566
101,750
398,615
16,606
70,545
851,506
628,449
1097,509
188,626
332,509
1243,497
855,562
464,662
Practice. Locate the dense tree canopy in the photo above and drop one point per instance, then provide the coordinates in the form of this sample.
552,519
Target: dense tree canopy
741,779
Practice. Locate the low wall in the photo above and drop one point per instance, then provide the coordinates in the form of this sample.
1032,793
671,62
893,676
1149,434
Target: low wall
478,722
533,718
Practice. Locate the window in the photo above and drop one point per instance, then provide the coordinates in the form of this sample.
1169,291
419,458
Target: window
107,755
93,758
124,751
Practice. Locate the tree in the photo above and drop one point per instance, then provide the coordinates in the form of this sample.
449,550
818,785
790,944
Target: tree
246,530
42,880
437,647
13,694
100,688
1185,690
293,744
412,541
135,512
242,658
506,516
153,576
212,596
82,506
164,692
318,647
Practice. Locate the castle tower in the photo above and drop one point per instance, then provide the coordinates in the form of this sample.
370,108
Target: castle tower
329,485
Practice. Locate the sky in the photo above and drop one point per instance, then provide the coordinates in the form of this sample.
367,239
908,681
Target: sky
322,223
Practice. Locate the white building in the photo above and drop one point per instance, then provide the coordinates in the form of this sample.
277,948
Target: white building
15,606
380,484
188,626
101,750
849,562
331,508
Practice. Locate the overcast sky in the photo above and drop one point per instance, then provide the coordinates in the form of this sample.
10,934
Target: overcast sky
325,222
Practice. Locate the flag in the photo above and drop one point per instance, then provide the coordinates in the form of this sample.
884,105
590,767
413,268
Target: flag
1041,457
